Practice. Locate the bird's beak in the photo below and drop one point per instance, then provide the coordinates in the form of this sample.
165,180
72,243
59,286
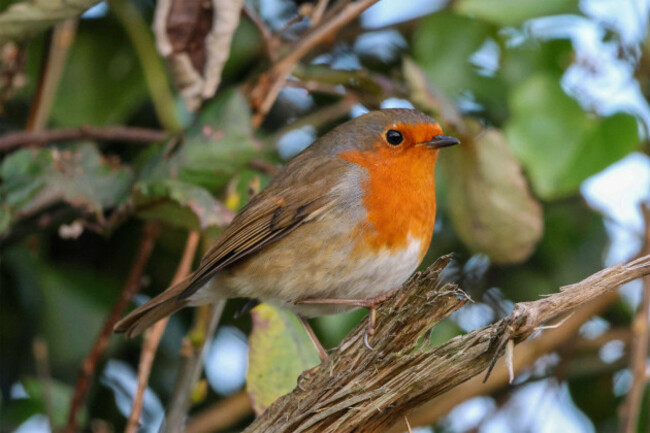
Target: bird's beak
440,141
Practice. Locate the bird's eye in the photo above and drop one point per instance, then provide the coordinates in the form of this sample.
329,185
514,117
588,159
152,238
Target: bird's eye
394,137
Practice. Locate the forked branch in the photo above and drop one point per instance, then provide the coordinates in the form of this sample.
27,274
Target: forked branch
367,391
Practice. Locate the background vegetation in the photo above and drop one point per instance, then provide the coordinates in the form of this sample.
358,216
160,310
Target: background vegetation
550,100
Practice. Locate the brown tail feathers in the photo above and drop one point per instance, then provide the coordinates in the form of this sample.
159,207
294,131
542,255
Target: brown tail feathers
163,305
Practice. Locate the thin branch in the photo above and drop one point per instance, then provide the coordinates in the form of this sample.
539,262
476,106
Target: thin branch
269,85
131,287
526,354
631,408
63,36
271,43
221,415
152,65
154,334
364,391
319,10
41,358
103,133
190,370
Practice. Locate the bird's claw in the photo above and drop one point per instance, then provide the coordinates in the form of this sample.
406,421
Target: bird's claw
305,375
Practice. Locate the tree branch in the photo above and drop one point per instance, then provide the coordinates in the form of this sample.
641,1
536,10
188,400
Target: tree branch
154,334
132,285
366,391
104,133
631,408
268,86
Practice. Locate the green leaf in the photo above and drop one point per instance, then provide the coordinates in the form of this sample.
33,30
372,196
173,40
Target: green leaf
69,299
558,143
79,175
59,395
280,350
490,204
99,86
215,149
27,18
443,44
180,203
513,12
44,396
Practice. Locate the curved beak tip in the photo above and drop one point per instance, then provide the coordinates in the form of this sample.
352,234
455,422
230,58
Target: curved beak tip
440,141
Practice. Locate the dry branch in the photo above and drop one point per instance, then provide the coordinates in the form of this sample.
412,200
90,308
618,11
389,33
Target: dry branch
367,391
103,133
268,86
132,285
631,408
154,334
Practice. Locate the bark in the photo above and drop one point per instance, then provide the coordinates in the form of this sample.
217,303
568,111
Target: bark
359,390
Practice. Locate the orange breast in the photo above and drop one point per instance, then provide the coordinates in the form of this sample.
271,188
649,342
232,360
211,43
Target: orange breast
399,196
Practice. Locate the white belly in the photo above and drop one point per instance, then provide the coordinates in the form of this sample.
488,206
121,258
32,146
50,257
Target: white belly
325,273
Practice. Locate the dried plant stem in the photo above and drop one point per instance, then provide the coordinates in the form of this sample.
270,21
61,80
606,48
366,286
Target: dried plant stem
525,355
14,140
266,90
631,407
154,334
131,287
63,35
190,370
366,391
221,415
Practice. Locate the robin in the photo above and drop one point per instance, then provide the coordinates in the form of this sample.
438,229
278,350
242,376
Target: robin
340,226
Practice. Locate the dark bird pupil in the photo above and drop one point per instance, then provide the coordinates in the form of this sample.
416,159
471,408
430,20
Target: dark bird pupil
394,137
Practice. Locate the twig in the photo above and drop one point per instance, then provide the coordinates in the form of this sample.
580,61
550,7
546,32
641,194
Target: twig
154,334
190,371
39,349
271,43
104,133
631,407
525,355
321,117
63,35
364,391
222,415
319,10
131,286
269,85
152,65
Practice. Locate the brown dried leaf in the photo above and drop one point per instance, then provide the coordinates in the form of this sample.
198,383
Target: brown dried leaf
490,204
194,36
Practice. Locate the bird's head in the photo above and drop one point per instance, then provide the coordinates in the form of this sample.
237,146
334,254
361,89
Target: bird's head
402,136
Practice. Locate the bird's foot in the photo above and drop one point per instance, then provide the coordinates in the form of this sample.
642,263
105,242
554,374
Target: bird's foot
306,376
371,304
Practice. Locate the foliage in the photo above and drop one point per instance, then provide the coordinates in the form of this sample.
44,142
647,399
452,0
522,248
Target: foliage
511,199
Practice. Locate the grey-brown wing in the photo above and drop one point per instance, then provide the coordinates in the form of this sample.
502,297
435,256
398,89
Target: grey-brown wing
271,215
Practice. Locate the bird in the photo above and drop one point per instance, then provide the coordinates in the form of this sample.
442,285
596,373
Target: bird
339,227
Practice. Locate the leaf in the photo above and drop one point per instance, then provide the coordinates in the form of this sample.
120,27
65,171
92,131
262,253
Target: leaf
443,44
195,36
280,351
558,143
490,205
27,18
99,86
214,150
513,12
79,175
180,203
40,394
67,299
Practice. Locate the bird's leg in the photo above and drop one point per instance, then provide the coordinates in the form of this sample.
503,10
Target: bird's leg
371,304
322,353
